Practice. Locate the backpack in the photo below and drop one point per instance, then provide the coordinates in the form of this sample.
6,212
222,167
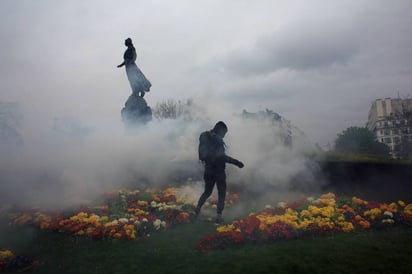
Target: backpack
205,146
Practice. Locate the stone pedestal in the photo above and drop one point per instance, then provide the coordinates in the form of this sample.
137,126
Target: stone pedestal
136,112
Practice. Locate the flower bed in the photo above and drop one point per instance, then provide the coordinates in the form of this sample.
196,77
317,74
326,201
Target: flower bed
324,215
125,214
11,262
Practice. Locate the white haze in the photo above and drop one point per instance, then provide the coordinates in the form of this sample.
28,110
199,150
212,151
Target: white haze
52,169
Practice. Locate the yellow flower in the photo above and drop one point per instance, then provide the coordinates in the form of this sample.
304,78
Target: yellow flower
327,211
373,213
5,254
347,227
408,209
401,203
305,213
314,210
225,228
341,218
304,224
74,218
180,200
82,214
393,207
169,191
140,212
329,195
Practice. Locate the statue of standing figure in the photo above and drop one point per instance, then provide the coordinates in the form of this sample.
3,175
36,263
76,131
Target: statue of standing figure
138,82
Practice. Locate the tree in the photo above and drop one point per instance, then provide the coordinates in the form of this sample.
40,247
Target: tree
360,140
172,109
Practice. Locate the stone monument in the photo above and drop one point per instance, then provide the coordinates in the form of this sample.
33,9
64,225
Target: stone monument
136,111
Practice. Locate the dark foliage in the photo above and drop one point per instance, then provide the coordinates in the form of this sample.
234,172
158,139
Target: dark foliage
360,140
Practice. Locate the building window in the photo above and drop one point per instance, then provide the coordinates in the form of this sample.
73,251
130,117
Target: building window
388,140
387,132
396,140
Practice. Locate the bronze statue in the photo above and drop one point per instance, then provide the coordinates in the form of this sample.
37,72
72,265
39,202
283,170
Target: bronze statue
138,81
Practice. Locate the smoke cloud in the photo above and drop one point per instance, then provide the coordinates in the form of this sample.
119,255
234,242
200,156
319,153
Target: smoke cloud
69,161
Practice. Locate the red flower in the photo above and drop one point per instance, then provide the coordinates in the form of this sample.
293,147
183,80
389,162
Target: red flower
221,240
372,204
250,224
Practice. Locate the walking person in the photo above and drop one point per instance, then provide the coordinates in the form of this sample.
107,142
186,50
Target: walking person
212,154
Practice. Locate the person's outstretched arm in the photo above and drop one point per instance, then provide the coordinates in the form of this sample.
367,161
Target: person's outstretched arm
121,65
233,161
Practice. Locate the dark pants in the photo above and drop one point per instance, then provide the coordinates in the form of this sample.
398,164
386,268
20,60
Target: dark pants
211,178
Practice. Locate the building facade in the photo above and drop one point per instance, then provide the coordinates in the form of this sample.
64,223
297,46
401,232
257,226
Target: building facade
391,122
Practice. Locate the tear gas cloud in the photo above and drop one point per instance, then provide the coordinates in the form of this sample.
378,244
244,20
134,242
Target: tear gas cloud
55,167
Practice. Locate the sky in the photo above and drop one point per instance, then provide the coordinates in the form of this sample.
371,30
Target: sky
320,64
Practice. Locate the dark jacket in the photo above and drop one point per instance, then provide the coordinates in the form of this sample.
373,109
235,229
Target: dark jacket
212,148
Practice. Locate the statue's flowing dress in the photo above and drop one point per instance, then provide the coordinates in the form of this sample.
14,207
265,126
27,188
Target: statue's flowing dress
137,80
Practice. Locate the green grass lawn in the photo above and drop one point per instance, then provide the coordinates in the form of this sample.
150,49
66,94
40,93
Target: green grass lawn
174,251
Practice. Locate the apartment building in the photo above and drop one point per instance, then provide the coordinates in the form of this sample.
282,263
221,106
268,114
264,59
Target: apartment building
391,122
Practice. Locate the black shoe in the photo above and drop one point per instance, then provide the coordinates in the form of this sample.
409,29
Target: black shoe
219,219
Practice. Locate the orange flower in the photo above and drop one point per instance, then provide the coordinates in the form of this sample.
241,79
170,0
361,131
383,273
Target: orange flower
142,203
365,224
63,222
44,225
340,210
129,227
182,217
359,201
117,235
384,207
348,209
